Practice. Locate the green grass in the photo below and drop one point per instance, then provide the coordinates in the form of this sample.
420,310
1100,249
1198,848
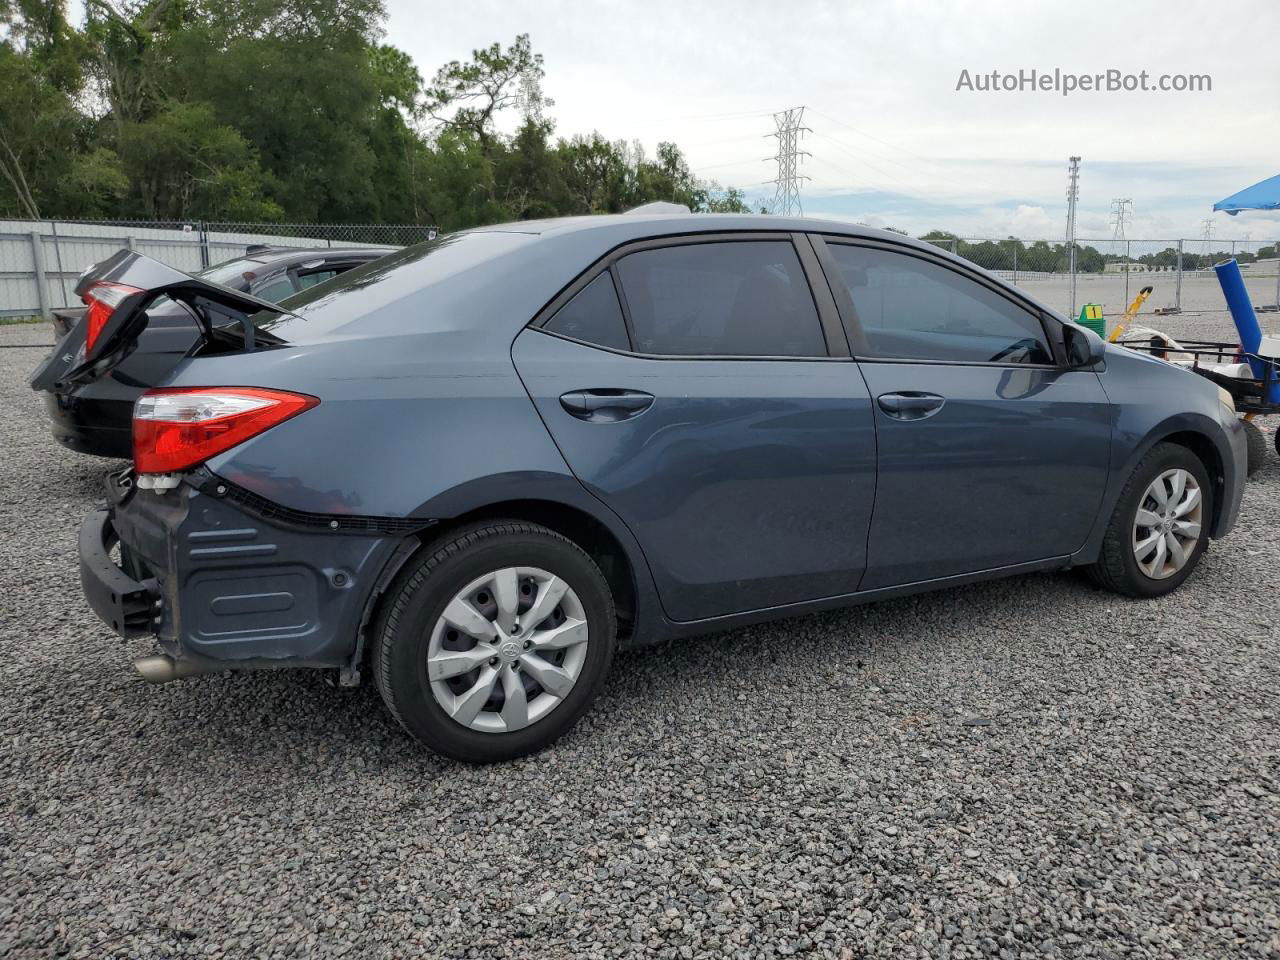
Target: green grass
12,321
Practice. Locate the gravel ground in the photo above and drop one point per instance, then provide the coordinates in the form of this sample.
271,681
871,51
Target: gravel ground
1023,768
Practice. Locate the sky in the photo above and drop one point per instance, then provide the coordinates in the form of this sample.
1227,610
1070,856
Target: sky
893,141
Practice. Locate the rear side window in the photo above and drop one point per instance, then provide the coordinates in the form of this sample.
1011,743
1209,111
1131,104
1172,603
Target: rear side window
318,276
913,309
593,315
737,298
275,290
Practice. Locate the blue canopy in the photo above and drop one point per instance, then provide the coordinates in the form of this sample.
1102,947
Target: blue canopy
1264,195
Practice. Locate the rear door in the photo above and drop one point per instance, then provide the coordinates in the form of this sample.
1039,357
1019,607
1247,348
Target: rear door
699,389
991,453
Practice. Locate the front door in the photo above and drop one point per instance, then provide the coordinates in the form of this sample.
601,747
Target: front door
990,453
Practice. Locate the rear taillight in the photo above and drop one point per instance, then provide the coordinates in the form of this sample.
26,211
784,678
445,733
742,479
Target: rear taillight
179,427
102,299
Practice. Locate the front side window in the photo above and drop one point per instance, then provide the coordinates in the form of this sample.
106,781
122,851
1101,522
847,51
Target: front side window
912,309
738,298
593,316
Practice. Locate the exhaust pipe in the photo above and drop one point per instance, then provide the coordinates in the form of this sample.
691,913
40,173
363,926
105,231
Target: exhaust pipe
162,668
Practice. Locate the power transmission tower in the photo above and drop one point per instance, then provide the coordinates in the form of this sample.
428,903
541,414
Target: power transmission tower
1073,194
1206,235
1121,213
790,130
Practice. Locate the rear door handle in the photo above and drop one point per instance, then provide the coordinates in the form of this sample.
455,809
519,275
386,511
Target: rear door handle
606,406
910,404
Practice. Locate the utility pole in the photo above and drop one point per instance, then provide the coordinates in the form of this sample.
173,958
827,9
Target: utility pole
790,131
1121,213
1073,194
1206,235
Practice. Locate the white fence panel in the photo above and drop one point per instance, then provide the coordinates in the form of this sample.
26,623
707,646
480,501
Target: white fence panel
66,249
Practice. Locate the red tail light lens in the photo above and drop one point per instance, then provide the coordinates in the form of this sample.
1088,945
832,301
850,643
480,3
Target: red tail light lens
175,428
102,299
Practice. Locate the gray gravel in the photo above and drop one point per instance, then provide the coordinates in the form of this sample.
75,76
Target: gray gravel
1024,768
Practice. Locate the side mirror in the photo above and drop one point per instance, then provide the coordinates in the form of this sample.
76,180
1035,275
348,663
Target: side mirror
1084,347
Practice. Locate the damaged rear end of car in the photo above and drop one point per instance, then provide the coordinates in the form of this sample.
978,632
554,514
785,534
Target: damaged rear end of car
220,576
263,516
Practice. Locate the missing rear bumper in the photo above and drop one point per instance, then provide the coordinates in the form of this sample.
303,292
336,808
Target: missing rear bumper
131,607
221,585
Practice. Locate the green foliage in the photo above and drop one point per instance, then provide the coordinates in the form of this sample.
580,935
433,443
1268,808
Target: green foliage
1012,253
185,164
293,110
40,129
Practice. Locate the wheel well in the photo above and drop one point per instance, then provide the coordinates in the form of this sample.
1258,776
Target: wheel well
1208,454
577,525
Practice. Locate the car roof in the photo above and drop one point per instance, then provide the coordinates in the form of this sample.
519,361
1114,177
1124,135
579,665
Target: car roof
668,224
274,255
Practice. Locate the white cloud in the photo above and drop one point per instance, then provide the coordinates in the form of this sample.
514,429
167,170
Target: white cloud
880,81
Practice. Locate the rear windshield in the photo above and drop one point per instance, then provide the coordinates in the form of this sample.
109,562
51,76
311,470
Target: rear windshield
402,280
232,273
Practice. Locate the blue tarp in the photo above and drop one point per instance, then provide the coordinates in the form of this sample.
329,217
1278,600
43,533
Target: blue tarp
1261,196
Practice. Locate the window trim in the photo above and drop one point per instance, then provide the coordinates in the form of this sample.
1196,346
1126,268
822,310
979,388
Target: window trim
829,321
853,326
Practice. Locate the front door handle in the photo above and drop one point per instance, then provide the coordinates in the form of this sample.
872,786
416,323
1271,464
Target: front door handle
910,404
606,406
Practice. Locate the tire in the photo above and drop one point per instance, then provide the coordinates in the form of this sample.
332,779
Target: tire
413,629
1118,568
1257,441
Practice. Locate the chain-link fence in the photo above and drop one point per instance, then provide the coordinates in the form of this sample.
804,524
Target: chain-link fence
40,260
1111,272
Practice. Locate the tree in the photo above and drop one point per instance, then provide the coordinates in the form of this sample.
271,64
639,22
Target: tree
120,43
469,96
719,200
41,132
302,82
185,164
293,109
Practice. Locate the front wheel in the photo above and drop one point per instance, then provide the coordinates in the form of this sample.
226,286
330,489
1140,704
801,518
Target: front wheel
1160,526
1256,442
495,641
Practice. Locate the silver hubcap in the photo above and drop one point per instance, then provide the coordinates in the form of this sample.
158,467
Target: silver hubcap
1167,527
507,650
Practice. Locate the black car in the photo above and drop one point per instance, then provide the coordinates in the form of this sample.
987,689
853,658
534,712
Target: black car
96,418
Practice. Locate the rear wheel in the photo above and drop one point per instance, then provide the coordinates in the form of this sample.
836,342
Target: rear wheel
495,641
1257,442
1160,526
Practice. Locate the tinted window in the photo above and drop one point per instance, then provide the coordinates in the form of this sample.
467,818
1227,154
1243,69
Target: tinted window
911,308
319,276
593,315
275,290
747,298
